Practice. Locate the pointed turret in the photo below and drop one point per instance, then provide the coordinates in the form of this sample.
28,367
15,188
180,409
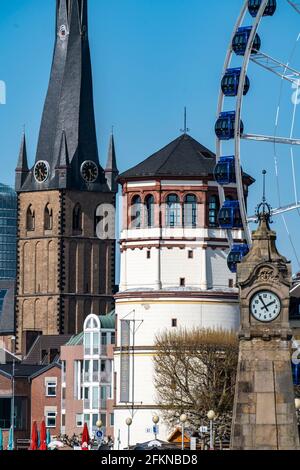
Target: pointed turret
63,164
111,171
69,103
22,166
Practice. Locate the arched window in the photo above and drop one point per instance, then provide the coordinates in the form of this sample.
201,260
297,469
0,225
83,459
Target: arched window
173,211
30,219
213,209
77,218
149,211
190,211
48,218
136,212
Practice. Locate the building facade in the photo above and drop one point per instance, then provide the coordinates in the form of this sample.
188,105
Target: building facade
88,377
174,270
8,251
66,261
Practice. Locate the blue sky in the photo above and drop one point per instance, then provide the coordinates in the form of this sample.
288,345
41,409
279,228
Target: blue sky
150,59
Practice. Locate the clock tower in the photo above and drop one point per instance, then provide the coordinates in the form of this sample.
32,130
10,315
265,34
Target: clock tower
264,416
65,271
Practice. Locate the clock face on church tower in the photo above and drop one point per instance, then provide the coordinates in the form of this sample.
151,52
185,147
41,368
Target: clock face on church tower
265,306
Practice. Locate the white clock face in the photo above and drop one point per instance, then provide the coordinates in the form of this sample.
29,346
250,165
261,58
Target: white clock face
265,306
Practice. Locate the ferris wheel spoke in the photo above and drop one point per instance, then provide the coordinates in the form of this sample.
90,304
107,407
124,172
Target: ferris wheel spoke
271,139
275,66
279,211
295,5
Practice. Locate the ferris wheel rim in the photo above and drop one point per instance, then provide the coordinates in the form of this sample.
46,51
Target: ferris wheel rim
237,134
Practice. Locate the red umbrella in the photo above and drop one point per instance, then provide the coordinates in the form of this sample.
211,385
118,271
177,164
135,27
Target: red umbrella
43,437
34,437
85,438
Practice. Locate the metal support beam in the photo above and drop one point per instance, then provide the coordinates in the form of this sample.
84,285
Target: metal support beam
271,139
275,66
295,5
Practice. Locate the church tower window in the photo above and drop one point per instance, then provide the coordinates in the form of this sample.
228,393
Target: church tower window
30,219
77,219
48,218
173,211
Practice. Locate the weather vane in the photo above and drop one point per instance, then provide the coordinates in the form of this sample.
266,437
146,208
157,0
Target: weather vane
264,209
185,129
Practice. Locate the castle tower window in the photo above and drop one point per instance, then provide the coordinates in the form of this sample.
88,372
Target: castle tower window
148,254
213,209
182,282
190,254
190,211
136,212
48,218
30,219
173,211
149,207
77,219
174,322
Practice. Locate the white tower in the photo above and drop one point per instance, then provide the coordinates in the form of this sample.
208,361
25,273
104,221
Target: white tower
173,270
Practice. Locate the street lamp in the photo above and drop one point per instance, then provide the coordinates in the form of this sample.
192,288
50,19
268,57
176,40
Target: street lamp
128,423
155,420
13,339
182,419
211,416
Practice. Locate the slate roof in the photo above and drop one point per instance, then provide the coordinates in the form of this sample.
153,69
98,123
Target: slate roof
21,370
44,343
182,157
7,319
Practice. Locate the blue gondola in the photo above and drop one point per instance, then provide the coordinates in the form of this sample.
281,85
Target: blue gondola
254,5
240,41
230,82
236,255
224,127
225,171
296,373
230,216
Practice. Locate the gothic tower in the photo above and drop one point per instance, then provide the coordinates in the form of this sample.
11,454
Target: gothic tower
65,271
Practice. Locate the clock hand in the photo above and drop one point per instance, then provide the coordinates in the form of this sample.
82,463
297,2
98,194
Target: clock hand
262,301
271,303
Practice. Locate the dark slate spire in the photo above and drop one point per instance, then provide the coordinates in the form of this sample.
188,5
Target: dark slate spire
69,103
111,171
63,164
22,166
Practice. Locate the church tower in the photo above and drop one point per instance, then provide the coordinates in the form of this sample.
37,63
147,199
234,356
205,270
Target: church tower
65,271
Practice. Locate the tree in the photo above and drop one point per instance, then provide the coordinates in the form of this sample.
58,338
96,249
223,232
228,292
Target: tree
195,372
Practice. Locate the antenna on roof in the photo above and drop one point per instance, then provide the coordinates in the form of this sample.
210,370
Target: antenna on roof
185,129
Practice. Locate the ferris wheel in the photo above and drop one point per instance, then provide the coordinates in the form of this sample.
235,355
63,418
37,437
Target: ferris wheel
246,44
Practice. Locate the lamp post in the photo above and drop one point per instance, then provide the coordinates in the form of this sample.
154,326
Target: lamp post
182,419
13,339
155,420
211,416
128,423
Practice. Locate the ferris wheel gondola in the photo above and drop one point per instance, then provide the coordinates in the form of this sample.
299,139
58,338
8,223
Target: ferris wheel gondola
245,43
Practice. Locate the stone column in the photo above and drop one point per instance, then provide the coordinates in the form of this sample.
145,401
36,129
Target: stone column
264,415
